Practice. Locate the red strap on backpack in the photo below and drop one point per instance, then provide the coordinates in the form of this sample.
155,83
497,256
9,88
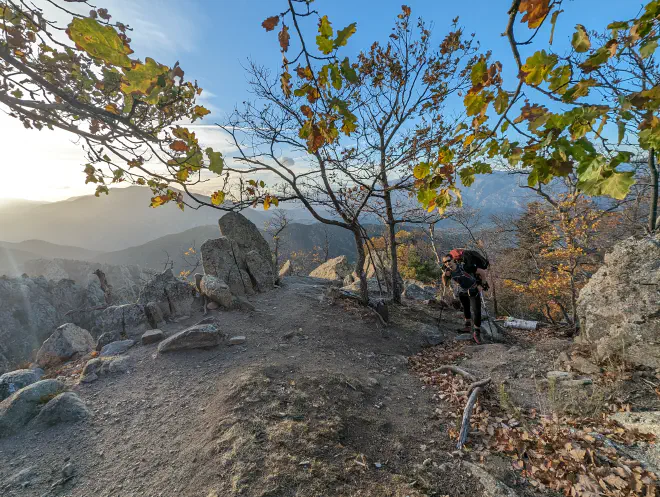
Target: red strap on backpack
456,254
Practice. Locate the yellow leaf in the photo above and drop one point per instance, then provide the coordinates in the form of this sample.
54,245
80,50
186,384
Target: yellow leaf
218,198
112,108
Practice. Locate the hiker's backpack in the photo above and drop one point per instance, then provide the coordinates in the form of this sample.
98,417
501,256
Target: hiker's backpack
463,279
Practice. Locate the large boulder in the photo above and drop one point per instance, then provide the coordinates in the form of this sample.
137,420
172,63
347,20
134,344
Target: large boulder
17,410
223,258
199,336
260,270
67,407
68,341
237,227
334,269
167,289
619,308
130,319
216,290
416,292
15,380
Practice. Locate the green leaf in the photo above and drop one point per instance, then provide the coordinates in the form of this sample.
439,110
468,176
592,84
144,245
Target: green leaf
477,103
142,78
467,175
348,71
581,42
216,162
559,78
596,60
344,34
421,170
324,39
325,44
622,130
648,48
478,72
501,102
482,168
581,89
538,66
616,185
101,42
335,76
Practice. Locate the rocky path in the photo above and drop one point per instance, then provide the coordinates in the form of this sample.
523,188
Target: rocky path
318,401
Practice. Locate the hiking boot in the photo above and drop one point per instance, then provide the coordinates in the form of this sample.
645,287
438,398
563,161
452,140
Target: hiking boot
467,328
476,335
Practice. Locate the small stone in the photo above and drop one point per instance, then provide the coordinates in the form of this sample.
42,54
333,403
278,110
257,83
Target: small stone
67,470
558,375
372,382
427,462
577,383
213,306
237,340
378,465
117,348
152,336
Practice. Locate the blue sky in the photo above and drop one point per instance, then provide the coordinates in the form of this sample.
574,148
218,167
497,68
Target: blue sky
228,32
213,40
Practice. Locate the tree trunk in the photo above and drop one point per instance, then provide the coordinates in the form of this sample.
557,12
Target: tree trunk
653,214
359,266
391,235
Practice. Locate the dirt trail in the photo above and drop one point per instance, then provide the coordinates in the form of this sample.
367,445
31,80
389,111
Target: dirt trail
319,401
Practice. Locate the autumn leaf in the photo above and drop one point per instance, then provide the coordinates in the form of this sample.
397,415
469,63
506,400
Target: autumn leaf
271,23
284,38
324,39
538,66
421,170
142,78
348,71
535,12
218,198
179,146
112,108
101,42
580,41
501,102
200,111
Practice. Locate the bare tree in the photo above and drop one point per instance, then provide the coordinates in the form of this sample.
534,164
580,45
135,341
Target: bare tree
275,227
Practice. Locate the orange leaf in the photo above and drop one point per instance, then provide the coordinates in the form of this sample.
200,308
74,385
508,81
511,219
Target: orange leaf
179,146
271,23
535,12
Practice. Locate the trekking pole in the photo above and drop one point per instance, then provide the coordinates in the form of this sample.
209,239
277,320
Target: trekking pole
485,308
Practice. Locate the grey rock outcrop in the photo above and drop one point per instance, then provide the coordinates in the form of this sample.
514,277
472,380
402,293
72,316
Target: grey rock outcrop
416,292
125,280
334,269
15,380
165,288
116,348
67,407
199,336
260,270
66,342
216,290
24,405
237,227
103,366
619,308
222,257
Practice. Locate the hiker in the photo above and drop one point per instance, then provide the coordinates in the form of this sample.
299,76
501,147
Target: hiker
467,269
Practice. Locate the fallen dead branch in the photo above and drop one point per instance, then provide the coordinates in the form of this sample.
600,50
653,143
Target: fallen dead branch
475,389
456,370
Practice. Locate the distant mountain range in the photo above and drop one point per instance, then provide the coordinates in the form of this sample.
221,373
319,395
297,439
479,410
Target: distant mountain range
122,229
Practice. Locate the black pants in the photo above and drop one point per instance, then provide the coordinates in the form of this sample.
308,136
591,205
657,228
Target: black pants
471,303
